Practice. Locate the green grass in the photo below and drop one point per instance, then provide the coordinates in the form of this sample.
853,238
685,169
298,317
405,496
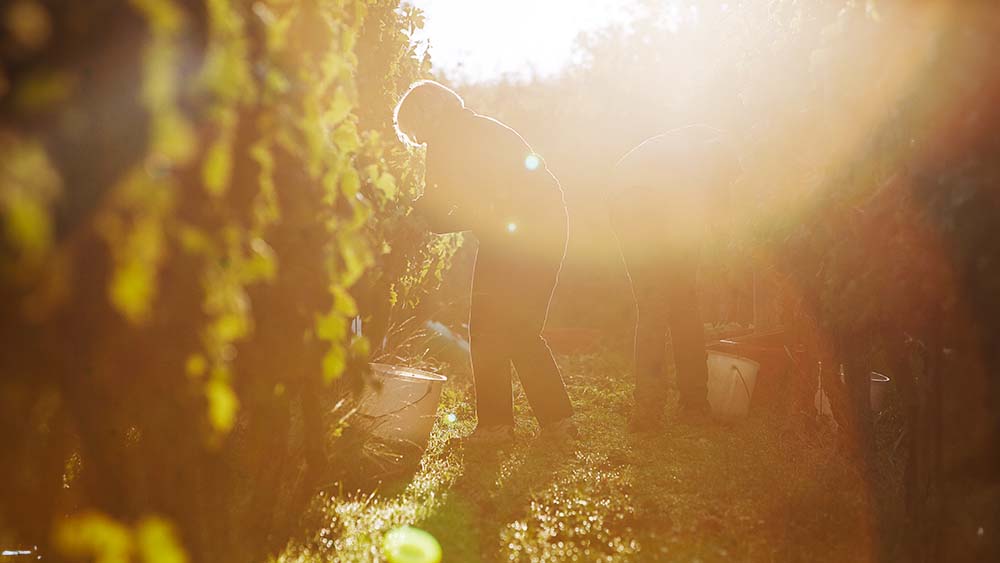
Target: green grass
761,489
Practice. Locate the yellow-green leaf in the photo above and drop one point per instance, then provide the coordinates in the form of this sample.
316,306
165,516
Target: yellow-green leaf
94,536
173,136
340,107
386,183
360,347
132,288
346,137
28,224
195,365
350,182
222,405
230,327
157,542
344,303
218,167
334,363
163,15
331,327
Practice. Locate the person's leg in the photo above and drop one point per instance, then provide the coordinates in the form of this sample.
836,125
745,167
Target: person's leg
491,373
537,274
644,267
489,342
536,368
539,375
687,335
650,343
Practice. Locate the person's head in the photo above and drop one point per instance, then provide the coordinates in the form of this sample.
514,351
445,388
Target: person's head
424,110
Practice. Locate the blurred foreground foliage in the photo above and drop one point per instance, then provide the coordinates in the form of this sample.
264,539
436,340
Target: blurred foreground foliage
198,198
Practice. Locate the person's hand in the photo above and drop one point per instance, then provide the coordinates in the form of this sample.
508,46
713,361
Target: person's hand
440,216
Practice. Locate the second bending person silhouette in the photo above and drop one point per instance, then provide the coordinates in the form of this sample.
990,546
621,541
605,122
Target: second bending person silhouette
481,176
660,205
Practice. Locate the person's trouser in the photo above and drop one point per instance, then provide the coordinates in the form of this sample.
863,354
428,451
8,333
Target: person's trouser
663,275
511,291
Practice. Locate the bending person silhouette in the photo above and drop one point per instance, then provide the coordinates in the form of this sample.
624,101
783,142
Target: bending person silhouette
664,189
481,176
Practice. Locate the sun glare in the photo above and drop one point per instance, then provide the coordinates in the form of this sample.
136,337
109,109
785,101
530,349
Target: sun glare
483,40
542,280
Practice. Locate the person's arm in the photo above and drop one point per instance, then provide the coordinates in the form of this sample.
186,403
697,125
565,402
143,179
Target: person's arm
440,215
440,211
465,182
441,206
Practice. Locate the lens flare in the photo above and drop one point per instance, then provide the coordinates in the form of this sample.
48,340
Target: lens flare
511,227
531,162
407,544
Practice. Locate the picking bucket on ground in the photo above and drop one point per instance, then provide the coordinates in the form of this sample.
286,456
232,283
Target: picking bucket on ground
403,404
731,380
780,384
879,390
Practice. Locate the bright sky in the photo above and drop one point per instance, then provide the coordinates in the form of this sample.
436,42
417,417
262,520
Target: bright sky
482,40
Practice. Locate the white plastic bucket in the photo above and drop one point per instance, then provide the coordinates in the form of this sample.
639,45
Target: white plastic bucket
731,380
876,395
403,404
878,391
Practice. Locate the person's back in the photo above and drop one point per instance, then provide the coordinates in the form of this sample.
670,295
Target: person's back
486,166
674,179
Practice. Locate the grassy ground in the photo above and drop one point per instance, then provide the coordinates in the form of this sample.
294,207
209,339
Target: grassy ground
758,490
